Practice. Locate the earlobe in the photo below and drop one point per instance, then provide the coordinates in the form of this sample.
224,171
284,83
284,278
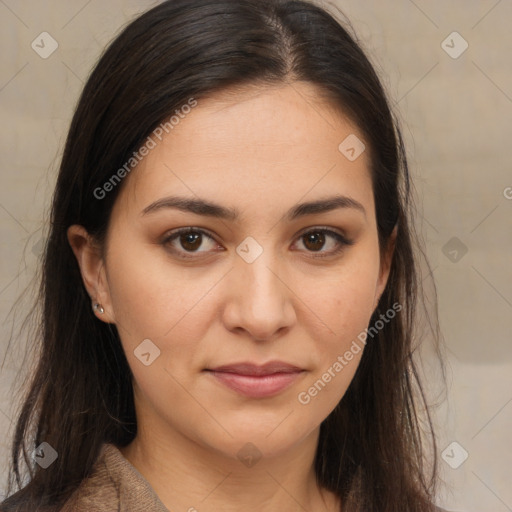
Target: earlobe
92,270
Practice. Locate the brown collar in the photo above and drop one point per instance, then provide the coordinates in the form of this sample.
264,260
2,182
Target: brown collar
114,484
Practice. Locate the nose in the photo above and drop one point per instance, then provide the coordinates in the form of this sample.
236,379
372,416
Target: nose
260,301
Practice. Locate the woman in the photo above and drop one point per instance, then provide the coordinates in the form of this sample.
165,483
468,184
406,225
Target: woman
229,286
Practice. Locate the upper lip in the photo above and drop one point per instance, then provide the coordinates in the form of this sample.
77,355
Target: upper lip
247,368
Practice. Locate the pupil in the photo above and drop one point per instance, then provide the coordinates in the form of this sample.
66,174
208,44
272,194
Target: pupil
317,239
190,239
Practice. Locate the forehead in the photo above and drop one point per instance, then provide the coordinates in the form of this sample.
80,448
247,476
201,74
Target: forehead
272,143
295,116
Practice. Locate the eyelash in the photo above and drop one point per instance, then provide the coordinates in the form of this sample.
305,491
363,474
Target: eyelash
341,240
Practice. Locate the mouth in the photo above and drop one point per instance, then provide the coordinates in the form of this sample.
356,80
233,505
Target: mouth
257,381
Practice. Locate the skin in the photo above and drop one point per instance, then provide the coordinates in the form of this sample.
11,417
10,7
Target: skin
261,150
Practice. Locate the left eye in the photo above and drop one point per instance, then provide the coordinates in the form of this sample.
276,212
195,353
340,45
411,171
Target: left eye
314,240
191,239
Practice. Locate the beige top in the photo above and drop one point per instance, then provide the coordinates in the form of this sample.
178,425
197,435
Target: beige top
114,485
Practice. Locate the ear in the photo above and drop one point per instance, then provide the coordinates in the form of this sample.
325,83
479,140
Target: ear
92,269
385,266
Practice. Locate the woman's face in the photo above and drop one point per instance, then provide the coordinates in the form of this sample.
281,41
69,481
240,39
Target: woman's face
262,283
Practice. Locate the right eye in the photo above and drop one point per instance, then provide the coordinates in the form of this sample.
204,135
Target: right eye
189,239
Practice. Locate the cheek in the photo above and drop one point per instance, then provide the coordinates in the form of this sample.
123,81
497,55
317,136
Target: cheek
346,310
344,303
347,298
153,299
347,314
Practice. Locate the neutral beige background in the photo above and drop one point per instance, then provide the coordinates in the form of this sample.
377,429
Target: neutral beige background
457,121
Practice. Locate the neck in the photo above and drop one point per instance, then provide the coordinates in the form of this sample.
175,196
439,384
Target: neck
189,476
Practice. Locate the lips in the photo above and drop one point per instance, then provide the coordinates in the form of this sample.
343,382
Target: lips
257,381
256,370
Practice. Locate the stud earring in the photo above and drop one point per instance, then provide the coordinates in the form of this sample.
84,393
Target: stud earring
98,307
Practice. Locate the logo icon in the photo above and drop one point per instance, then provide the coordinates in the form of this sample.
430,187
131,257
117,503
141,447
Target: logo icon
147,352
249,250
454,455
454,249
37,248
454,45
44,45
249,455
44,455
352,147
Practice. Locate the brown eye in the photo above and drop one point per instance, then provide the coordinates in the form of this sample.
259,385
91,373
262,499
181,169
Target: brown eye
314,241
188,241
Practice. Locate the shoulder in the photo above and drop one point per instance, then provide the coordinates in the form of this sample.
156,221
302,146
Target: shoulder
114,484
100,487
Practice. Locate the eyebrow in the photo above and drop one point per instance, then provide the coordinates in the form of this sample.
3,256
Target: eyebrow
211,209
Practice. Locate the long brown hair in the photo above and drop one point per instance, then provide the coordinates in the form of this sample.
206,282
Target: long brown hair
370,450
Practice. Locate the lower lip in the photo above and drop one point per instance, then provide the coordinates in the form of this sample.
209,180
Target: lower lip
257,386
